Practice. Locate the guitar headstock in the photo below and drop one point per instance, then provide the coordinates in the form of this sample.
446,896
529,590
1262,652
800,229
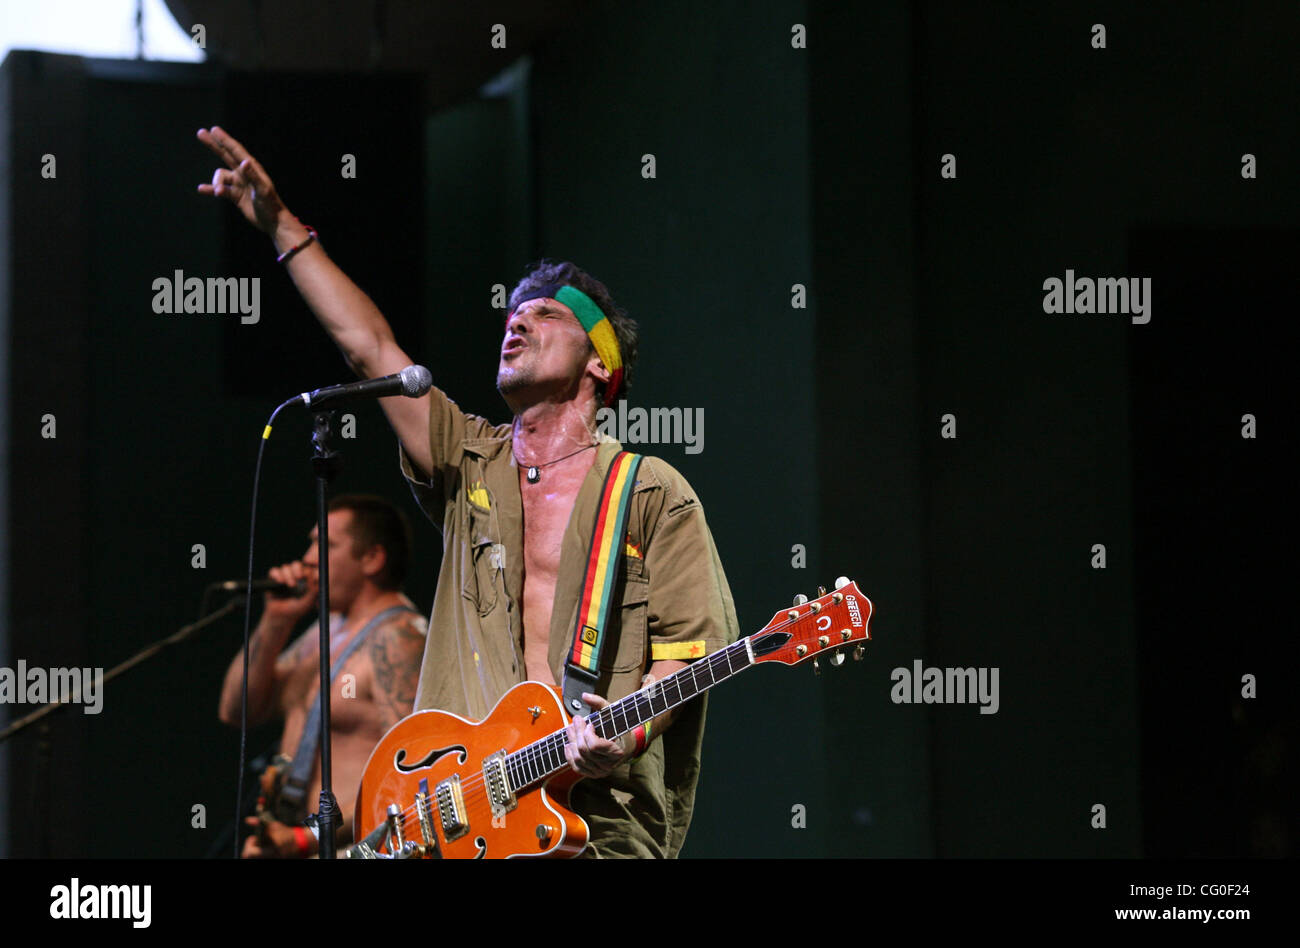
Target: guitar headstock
826,625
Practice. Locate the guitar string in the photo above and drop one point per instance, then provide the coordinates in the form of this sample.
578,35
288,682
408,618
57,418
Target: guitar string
545,755
539,754
633,705
542,759
474,788
541,751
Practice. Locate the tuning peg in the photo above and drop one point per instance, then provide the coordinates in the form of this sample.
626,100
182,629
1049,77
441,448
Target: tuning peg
858,650
821,590
800,599
817,668
842,582
837,657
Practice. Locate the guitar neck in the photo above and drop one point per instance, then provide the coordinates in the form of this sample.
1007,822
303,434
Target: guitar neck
545,758
641,706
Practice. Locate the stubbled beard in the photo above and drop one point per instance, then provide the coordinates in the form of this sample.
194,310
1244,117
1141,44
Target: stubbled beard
513,379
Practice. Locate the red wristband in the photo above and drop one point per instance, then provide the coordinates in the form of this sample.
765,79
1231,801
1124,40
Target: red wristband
302,838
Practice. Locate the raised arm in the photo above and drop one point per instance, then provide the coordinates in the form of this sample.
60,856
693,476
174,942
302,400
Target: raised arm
351,318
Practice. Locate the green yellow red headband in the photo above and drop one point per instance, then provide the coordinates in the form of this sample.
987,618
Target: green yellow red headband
594,320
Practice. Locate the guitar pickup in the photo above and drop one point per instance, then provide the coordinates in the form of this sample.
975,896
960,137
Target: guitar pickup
451,808
501,796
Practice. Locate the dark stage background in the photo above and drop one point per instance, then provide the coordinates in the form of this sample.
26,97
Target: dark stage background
775,166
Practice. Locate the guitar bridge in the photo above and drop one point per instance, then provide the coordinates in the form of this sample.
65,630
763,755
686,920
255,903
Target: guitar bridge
501,796
451,808
425,811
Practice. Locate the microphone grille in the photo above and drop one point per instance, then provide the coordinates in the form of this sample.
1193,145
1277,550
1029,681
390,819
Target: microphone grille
416,380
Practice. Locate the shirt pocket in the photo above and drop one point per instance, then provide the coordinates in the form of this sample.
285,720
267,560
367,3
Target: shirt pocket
482,582
630,651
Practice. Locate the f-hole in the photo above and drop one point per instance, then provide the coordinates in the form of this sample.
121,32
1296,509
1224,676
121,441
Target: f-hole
429,759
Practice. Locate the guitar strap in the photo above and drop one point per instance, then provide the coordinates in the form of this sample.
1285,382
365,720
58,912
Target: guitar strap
291,805
607,543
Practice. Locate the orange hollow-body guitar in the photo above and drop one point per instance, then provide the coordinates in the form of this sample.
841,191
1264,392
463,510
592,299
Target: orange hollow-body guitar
438,785
450,775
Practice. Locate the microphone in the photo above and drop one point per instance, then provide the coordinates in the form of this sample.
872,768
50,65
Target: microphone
413,381
277,590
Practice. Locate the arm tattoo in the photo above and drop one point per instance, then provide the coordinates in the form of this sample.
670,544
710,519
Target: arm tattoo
396,650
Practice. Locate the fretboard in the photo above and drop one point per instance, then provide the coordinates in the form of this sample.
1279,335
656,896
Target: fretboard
544,758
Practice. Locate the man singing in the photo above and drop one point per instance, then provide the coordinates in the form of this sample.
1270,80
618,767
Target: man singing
517,504
376,640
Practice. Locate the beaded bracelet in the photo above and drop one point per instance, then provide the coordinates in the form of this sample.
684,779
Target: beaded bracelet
311,235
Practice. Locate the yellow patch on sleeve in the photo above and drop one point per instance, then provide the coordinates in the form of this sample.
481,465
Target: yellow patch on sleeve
676,651
631,549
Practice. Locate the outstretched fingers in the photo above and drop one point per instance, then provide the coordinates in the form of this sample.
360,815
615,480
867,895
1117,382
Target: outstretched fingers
241,167
225,146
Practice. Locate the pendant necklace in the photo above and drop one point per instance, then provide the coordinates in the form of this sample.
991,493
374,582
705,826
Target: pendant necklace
534,473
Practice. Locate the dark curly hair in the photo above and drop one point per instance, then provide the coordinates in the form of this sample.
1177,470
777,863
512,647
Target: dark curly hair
546,272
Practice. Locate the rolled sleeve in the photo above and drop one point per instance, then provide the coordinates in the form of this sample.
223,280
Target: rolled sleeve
449,427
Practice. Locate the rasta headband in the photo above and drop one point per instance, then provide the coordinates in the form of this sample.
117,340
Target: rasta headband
597,325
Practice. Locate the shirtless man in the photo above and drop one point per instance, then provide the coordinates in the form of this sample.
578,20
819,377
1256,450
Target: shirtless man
515,503
374,687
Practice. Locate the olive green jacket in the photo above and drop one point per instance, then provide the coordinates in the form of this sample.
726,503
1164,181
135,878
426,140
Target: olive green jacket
671,587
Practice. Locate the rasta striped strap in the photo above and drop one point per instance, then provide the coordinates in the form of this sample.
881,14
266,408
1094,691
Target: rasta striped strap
581,669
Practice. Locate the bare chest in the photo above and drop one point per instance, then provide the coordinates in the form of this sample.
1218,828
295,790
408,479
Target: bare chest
351,692
547,506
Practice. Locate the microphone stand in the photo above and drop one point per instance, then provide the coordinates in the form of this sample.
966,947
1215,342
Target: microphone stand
326,464
144,654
